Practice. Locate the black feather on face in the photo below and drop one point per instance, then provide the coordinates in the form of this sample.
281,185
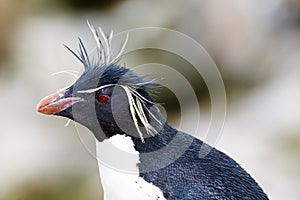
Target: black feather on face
106,102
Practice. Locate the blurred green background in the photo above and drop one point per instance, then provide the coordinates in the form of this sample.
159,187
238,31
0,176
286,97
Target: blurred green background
255,44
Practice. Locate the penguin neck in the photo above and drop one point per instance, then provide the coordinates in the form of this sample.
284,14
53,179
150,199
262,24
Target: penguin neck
156,142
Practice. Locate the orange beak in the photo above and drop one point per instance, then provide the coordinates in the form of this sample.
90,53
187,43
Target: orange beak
55,103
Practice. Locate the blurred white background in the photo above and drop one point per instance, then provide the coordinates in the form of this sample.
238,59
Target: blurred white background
255,44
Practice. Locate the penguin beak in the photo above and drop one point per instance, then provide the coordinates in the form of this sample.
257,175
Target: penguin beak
56,102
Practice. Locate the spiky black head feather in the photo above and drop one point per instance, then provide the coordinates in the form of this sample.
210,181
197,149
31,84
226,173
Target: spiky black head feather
103,69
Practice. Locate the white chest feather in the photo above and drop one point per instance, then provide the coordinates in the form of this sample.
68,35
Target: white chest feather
117,161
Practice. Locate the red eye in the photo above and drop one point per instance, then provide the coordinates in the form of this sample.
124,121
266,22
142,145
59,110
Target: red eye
102,98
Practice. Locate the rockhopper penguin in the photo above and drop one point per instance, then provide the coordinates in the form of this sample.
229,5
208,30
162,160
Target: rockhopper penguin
115,104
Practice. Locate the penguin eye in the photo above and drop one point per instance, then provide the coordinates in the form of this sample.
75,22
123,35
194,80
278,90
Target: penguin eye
102,98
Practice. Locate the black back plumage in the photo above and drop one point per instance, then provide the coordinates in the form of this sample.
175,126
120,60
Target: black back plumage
216,176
